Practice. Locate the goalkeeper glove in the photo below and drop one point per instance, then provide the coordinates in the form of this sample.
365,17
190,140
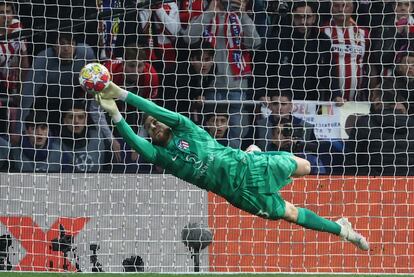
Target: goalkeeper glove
108,105
113,92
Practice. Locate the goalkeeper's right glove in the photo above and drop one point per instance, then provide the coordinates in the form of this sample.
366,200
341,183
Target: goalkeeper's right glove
113,91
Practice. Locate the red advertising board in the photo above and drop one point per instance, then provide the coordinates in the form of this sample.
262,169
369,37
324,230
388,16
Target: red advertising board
382,209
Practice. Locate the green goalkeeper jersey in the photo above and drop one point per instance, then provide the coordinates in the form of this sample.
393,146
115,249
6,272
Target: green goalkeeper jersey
194,156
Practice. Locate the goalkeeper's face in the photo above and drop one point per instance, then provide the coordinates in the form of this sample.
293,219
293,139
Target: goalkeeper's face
158,131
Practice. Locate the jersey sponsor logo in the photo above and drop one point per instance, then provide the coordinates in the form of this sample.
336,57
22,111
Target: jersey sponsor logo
347,49
182,144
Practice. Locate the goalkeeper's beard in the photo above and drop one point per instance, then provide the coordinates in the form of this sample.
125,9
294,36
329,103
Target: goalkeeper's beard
161,136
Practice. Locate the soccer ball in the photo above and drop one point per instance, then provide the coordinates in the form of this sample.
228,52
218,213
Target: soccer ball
94,78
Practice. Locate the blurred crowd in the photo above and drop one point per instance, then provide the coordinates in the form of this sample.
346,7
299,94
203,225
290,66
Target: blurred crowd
234,67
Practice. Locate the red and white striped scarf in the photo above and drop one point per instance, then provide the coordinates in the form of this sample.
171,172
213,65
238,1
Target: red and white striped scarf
239,60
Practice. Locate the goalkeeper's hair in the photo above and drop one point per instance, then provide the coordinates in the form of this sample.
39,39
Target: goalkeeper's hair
144,118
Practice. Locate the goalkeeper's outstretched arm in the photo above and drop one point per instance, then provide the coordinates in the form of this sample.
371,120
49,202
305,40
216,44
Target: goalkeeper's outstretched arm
142,146
165,116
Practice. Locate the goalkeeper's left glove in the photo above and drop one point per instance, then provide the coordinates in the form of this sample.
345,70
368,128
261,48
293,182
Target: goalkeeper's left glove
108,105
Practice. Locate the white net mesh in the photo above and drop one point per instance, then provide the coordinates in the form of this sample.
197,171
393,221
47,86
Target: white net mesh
329,81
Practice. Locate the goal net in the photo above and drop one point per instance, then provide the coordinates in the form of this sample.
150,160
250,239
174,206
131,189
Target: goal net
329,81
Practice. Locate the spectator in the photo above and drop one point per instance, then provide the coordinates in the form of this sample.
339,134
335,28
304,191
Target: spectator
404,74
381,144
376,102
13,64
286,138
4,154
55,77
257,10
109,28
281,106
300,133
188,10
38,152
13,53
134,74
46,15
216,123
298,58
190,82
232,33
161,24
80,141
404,69
350,44
58,67
391,34
404,21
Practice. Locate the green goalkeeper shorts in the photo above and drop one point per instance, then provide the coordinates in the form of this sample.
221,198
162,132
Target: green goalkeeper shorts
259,193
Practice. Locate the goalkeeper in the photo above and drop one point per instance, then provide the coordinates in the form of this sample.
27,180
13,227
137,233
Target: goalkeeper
249,181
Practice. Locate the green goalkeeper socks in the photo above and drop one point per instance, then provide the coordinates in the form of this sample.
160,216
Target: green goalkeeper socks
310,220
